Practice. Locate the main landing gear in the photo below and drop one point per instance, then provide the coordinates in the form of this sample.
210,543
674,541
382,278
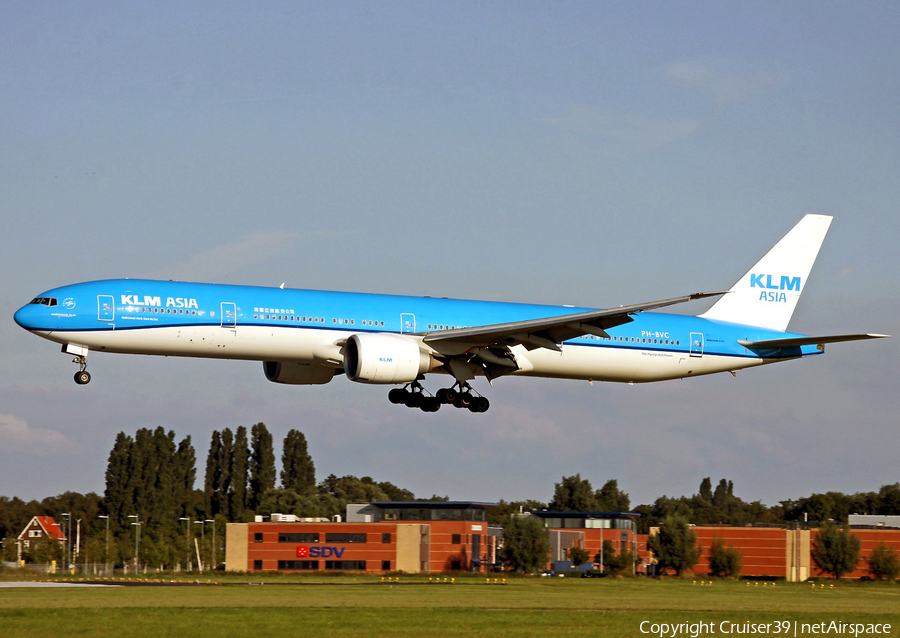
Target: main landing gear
415,397
82,377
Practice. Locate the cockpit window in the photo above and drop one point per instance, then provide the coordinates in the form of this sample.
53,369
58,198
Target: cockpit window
44,301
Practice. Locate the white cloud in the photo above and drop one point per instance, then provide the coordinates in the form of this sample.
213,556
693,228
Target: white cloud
623,131
19,437
724,88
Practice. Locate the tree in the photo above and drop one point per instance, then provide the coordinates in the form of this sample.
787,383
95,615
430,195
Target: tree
526,543
500,514
611,499
889,500
395,493
884,563
185,475
117,498
723,494
335,493
706,490
579,555
147,476
573,494
613,563
298,472
237,496
290,502
724,561
675,545
262,464
836,551
213,471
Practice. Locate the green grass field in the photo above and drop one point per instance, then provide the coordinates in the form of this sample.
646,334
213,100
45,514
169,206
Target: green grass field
363,606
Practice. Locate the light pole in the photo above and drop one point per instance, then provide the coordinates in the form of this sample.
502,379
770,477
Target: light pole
137,539
202,525
106,554
68,542
187,542
213,521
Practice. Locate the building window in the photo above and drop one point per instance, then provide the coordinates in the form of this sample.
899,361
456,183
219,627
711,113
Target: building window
336,537
346,565
456,539
298,565
257,565
298,537
455,565
257,537
386,538
385,565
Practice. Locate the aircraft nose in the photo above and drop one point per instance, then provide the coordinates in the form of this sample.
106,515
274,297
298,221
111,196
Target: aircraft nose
28,316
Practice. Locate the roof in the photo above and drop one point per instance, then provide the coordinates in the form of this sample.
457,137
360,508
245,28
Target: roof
50,527
555,514
433,505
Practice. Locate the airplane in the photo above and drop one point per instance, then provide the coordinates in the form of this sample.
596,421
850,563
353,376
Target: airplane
307,337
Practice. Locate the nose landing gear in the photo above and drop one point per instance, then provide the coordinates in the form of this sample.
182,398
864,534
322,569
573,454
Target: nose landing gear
82,377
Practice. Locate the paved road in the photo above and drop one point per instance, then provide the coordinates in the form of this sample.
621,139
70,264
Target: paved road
50,584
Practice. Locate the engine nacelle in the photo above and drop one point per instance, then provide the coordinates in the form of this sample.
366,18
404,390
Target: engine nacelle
298,373
381,358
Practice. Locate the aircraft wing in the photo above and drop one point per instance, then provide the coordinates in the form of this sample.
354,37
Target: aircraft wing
807,341
551,331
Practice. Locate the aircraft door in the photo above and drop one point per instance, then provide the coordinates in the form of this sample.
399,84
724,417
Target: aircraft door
229,314
407,323
696,344
106,308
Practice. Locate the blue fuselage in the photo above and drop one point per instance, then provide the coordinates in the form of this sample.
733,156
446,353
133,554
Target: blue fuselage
291,325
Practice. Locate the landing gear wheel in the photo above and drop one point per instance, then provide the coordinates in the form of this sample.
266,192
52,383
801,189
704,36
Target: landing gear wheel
430,404
447,395
414,400
82,377
479,404
463,400
397,396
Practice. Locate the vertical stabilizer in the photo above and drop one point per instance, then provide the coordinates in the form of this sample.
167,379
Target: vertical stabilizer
767,295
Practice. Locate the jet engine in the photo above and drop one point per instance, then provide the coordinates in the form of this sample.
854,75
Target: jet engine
383,358
298,373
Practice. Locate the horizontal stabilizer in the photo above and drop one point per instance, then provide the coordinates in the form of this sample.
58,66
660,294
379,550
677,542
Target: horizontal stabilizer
807,341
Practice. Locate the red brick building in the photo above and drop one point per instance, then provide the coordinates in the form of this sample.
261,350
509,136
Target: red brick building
590,530
411,536
782,552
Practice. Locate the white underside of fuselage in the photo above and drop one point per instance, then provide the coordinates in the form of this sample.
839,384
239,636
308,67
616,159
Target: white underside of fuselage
268,343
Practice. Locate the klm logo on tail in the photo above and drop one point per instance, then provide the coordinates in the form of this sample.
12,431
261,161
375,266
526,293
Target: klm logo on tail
772,287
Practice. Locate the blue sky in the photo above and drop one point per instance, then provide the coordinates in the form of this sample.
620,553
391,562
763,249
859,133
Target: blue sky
587,153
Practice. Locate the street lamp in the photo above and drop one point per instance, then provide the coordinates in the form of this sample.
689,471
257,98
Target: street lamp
106,555
187,542
213,521
202,525
137,539
68,543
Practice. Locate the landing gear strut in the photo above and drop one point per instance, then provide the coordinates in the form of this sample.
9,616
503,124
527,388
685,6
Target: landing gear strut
463,397
82,377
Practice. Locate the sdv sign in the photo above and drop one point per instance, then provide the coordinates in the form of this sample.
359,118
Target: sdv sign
319,551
